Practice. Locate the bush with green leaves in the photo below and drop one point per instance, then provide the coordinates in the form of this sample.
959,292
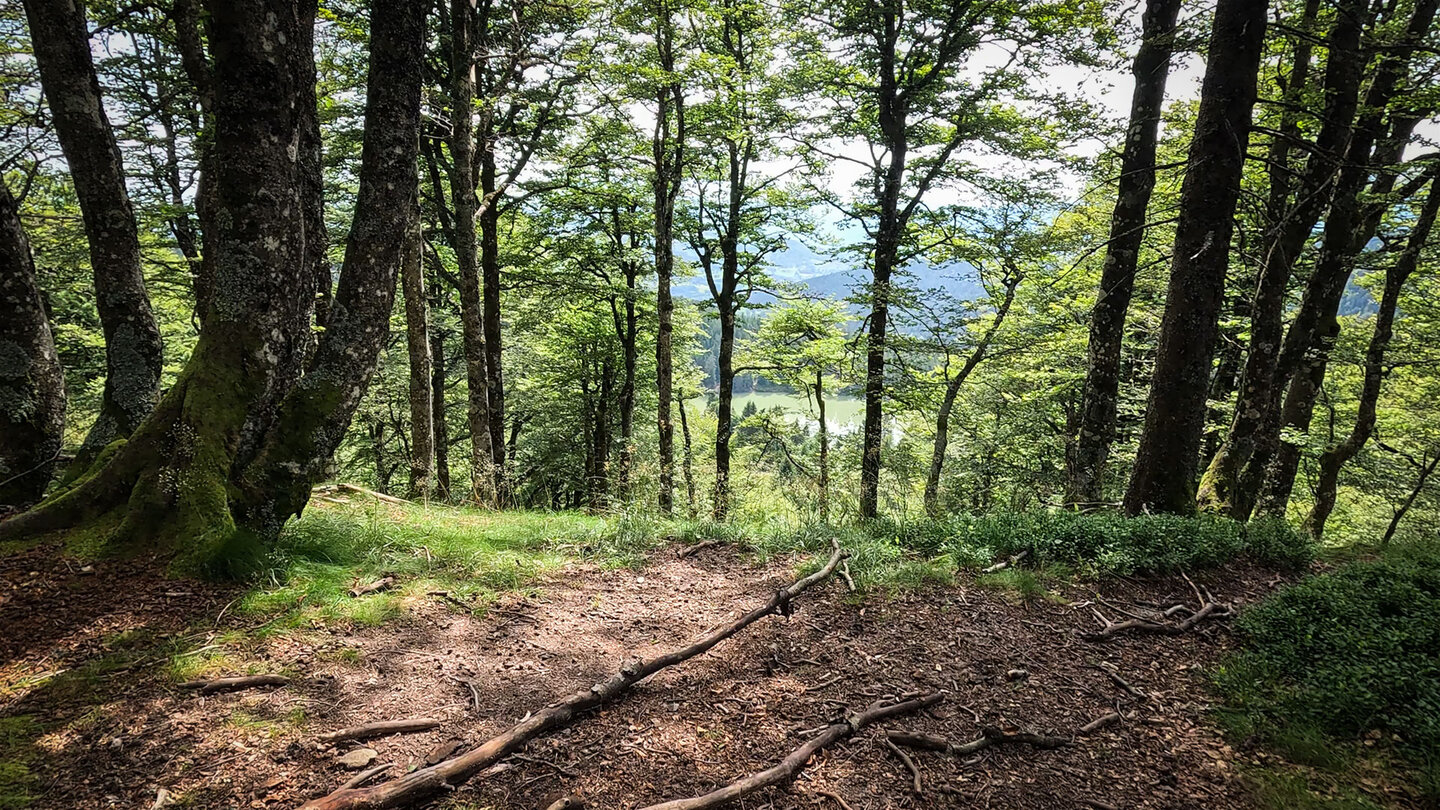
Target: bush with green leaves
1346,653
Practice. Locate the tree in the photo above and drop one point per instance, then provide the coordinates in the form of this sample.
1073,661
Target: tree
1164,476
32,385
899,79
803,345
234,447
1096,431
133,351
417,346
1336,456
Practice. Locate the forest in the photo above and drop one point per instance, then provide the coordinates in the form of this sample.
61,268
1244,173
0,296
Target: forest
428,403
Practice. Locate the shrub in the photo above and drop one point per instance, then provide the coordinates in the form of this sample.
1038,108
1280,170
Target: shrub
1272,540
1350,653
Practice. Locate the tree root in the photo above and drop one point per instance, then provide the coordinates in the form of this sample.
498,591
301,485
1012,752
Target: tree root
787,768
917,784
1209,609
989,736
383,728
427,782
234,684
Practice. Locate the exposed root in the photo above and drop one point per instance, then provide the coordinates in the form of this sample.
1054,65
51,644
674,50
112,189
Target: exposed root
1209,609
445,776
917,784
787,768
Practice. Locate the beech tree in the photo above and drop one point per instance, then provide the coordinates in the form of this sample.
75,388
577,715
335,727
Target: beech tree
133,350
32,385
1164,476
1151,69
234,447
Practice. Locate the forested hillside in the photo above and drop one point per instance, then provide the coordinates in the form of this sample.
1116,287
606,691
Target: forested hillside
365,316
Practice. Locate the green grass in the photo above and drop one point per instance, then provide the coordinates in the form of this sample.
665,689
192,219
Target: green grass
471,554
17,757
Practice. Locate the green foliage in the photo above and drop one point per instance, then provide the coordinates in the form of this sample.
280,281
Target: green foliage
17,752
1349,653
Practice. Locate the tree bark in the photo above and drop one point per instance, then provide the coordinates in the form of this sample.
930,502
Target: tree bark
668,146
134,354
627,329
1117,277
824,432
462,188
417,345
1165,466
437,421
1292,224
178,482
32,384
1337,456
952,390
490,308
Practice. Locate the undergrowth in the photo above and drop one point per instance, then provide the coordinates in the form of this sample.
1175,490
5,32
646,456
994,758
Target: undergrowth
1345,665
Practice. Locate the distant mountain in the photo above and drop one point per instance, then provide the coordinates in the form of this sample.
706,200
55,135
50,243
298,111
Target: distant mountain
827,277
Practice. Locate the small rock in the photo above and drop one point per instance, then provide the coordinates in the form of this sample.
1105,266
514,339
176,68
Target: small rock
357,759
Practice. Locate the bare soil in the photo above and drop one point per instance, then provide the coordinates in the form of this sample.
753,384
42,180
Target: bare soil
117,731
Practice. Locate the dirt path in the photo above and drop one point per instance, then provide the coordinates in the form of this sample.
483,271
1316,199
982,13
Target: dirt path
123,732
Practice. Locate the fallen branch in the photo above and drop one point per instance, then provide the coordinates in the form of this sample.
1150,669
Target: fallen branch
354,489
378,585
426,782
845,575
365,776
383,728
1123,684
1003,564
787,768
1099,723
236,683
700,546
1206,611
989,736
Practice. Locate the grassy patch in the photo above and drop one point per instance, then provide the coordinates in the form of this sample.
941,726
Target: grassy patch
1345,666
472,555
17,756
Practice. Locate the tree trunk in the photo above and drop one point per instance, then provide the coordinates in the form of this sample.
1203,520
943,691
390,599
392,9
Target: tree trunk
490,306
688,457
1165,466
952,390
32,384
1337,456
1348,227
824,448
1117,278
180,482
1291,227
134,354
438,421
724,416
462,188
417,345
629,333
1426,470
668,145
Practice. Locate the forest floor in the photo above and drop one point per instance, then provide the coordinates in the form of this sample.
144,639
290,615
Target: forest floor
91,715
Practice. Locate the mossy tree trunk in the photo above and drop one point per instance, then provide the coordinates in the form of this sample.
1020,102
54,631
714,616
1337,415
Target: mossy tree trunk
233,448
32,384
133,351
1165,465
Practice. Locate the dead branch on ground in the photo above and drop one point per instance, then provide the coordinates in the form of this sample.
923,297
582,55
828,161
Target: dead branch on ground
1003,564
427,782
236,683
698,547
917,783
354,489
1209,608
1099,723
383,728
378,585
786,769
989,736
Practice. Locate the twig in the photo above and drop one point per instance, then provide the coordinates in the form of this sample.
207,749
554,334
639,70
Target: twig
365,776
835,797
538,761
700,546
1099,723
1122,683
824,684
918,785
989,735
